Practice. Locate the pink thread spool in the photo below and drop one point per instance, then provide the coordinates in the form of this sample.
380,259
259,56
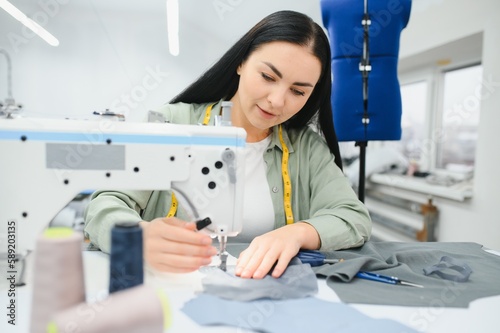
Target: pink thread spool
134,310
58,275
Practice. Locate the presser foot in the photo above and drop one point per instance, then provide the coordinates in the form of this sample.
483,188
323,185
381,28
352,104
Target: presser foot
223,252
223,261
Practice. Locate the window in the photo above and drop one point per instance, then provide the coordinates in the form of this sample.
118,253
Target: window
456,146
414,102
441,135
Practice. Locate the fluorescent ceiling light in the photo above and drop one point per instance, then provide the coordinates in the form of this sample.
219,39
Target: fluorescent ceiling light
173,26
29,23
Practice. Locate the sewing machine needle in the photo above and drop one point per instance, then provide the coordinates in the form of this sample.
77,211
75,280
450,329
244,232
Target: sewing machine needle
222,252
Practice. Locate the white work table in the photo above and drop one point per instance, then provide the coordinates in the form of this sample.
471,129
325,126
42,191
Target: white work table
481,316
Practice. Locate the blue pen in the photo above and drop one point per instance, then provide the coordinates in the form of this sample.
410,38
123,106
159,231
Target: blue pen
385,279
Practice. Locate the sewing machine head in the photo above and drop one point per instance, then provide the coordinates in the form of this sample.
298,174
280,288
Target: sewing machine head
47,162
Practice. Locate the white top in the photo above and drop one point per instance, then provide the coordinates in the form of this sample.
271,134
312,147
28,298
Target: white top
258,211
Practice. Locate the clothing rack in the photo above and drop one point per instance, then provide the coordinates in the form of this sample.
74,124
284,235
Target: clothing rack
397,218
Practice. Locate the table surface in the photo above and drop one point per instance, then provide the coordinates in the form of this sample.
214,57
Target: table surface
481,316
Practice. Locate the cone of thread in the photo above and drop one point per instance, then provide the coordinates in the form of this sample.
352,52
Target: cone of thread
134,310
126,257
58,281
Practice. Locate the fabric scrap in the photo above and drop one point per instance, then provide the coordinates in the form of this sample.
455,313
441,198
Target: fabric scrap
292,316
298,280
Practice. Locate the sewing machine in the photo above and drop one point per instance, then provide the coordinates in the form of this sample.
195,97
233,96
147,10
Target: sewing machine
45,163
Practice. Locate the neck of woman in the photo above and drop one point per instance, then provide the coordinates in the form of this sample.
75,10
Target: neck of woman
257,135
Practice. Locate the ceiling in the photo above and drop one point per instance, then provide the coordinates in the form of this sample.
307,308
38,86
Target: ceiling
225,19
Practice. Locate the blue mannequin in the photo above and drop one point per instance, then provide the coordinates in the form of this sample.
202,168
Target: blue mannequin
343,20
366,98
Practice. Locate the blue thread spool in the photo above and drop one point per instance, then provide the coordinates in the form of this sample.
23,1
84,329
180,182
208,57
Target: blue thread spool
126,261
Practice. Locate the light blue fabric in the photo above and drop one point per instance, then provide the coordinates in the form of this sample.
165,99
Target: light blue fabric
292,316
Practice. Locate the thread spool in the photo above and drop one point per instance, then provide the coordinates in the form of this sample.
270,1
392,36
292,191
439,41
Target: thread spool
126,261
58,275
135,310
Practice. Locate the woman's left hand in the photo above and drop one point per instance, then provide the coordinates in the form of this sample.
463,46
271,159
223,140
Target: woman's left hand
276,247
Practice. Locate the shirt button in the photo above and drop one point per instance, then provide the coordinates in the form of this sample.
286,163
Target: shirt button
275,189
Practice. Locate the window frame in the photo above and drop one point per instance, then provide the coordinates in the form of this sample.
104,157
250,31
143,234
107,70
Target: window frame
423,75
434,75
440,105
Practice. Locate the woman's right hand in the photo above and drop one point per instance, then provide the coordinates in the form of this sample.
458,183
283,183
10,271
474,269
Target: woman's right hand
173,245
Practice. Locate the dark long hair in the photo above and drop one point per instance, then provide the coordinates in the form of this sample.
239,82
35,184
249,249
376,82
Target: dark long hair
221,80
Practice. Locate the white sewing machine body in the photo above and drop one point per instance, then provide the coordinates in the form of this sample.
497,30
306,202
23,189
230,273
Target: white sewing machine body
45,163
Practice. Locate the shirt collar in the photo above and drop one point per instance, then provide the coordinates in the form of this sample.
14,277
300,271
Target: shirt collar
275,139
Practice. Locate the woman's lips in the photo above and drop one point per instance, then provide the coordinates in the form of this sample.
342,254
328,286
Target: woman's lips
266,114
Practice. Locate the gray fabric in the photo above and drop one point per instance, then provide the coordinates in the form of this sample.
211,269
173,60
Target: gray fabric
297,281
292,316
407,261
235,248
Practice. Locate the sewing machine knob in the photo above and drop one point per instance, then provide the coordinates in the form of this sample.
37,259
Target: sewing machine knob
228,156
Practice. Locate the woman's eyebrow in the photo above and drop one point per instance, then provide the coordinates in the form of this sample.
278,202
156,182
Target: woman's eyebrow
277,72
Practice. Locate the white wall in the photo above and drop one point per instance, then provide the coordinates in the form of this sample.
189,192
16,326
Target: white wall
438,22
108,50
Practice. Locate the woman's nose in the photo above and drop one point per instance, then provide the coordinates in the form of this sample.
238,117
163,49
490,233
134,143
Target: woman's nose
276,97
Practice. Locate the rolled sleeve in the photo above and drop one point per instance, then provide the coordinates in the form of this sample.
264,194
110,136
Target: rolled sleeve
329,203
108,208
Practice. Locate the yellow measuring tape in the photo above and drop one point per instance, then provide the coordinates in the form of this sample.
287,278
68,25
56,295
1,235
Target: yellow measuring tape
206,119
173,206
287,183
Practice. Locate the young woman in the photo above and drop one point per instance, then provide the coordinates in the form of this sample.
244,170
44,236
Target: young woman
278,78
